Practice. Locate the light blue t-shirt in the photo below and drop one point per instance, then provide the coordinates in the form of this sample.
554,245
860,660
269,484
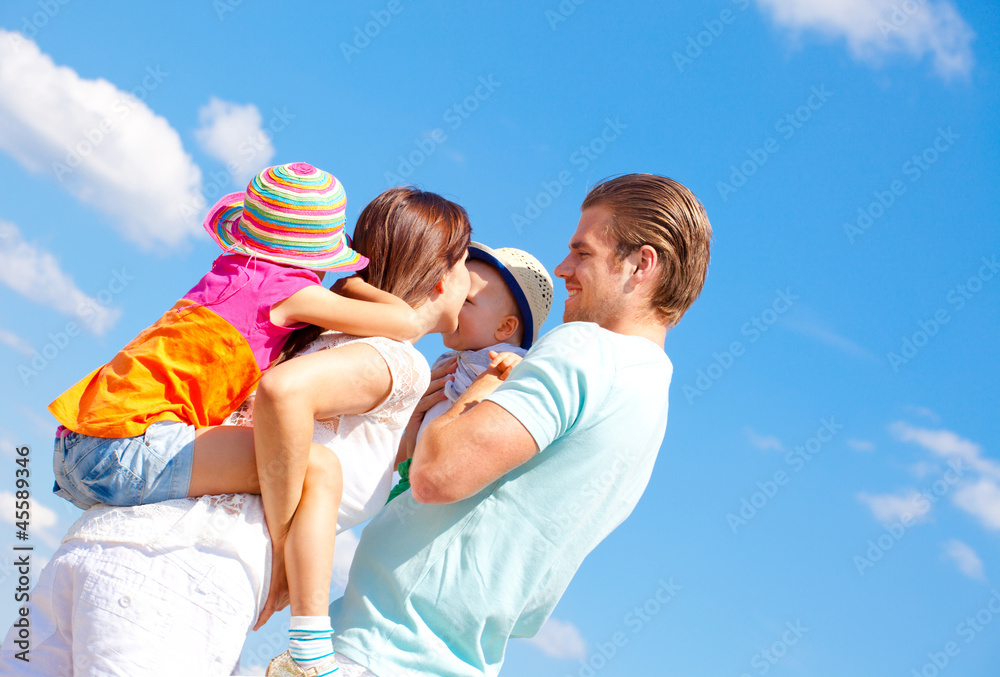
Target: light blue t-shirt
437,590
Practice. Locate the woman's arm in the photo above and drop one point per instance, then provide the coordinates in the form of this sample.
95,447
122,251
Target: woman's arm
434,394
371,312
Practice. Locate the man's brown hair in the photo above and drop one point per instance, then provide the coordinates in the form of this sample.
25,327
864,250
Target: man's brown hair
655,210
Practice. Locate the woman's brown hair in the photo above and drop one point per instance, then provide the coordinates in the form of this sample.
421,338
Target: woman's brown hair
411,238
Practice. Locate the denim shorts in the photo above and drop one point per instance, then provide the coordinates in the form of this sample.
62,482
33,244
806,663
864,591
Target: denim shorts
149,468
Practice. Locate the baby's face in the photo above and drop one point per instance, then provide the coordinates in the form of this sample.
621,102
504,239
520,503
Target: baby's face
488,303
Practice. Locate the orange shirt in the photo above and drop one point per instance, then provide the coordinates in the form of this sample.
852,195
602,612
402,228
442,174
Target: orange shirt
197,363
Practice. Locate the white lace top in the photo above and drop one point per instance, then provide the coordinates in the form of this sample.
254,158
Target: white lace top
233,525
366,444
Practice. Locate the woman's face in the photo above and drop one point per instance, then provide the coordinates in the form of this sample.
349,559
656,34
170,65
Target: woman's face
456,288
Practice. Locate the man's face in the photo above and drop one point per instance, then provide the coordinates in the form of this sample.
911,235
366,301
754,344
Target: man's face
594,282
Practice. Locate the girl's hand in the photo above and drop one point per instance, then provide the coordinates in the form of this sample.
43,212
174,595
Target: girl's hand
503,363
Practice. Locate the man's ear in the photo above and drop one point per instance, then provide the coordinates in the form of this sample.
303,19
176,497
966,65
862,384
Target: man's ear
645,262
439,286
648,258
506,329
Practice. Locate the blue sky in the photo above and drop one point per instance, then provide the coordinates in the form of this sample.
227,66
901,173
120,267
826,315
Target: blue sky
827,498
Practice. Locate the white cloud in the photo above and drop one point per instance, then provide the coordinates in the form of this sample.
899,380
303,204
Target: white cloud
922,469
7,445
947,444
875,28
560,639
9,338
888,508
965,558
981,500
764,442
860,445
233,135
980,495
103,145
926,412
818,330
35,274
41,518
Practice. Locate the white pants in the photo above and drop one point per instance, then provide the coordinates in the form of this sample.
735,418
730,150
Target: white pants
127,611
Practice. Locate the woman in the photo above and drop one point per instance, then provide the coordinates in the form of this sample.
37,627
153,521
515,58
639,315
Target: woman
173,587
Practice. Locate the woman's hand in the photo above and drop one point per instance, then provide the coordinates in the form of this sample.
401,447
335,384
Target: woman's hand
433,395
435,391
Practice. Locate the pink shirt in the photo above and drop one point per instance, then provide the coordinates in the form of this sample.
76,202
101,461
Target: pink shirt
198,362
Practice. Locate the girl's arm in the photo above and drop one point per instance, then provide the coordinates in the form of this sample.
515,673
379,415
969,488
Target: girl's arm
371,313
355,288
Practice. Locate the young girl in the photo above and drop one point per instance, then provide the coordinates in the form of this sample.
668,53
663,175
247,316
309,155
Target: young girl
128,430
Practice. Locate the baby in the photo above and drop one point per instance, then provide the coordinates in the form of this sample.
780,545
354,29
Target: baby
509,299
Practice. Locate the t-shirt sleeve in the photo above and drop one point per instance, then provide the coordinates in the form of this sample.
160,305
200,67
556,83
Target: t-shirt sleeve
548,391
282,283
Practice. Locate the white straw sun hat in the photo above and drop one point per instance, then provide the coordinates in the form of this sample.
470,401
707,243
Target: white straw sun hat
528,281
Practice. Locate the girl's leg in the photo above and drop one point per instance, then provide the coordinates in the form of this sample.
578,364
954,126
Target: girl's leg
283,420
310,543
302,561
308,562
290,397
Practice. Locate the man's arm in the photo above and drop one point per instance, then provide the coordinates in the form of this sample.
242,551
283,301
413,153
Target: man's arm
468,447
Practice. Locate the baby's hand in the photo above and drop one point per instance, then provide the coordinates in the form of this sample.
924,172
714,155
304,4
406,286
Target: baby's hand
503,363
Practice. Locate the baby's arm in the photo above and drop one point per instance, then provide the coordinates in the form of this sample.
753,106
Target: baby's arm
360,309
504,362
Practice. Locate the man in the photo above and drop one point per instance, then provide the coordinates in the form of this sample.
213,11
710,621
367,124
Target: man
521,479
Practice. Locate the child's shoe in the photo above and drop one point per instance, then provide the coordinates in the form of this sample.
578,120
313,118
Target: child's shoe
285,666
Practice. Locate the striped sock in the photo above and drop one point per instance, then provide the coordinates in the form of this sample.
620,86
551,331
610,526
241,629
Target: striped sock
310,641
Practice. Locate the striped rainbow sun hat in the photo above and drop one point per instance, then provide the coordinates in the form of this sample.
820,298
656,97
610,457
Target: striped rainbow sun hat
291,214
